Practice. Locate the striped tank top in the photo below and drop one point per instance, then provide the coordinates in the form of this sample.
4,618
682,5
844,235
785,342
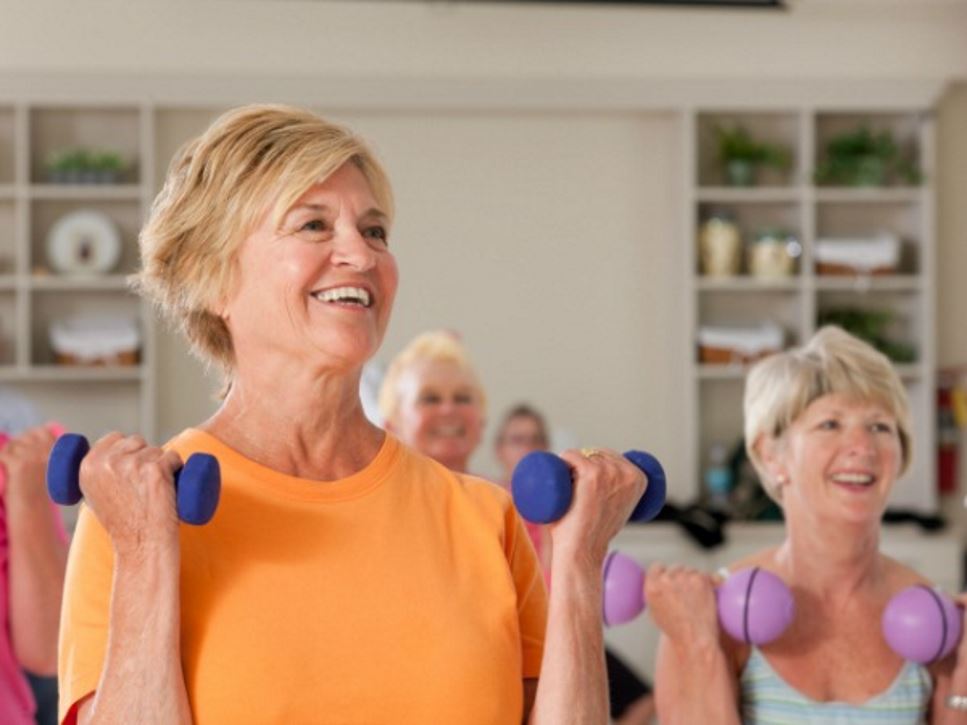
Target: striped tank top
768,700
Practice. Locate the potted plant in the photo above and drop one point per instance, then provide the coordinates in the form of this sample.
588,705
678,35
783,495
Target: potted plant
107,167
741,155
864,158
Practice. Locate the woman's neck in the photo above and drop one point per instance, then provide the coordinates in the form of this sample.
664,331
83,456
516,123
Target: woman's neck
831,560
301,424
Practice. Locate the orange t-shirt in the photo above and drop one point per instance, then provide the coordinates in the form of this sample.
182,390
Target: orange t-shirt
403,594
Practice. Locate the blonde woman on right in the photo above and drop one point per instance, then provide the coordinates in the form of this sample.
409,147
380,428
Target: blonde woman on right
827,427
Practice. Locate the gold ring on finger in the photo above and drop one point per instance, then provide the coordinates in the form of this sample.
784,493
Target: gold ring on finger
590,452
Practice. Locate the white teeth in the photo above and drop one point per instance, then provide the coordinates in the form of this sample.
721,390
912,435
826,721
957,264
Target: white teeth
344,294
861,479
449,430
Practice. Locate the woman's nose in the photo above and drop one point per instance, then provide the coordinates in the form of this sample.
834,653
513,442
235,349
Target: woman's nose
860,441
351,249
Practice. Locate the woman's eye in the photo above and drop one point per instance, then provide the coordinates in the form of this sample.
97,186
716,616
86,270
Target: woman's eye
829,425
376,232
882,428
429,399
313,225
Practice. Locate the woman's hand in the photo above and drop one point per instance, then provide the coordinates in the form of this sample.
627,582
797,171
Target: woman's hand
25,460
129,486
606,488
682,603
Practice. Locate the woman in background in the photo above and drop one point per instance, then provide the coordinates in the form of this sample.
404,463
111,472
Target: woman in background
827,427
33,556
433,400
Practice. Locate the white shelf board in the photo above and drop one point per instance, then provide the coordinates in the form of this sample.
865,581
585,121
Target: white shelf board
8,192
884,195
78,283
70,374
751,194
746,283
910,372
891,283
85,192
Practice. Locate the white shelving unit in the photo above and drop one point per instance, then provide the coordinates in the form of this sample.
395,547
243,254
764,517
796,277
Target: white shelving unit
91,400
792,201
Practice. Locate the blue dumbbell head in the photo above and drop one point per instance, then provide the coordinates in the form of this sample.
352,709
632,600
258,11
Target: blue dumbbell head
542,487
63,469
198,483
654,498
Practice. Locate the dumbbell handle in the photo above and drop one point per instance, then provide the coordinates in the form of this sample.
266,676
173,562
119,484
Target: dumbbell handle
754,605
543,488
197,483
56,430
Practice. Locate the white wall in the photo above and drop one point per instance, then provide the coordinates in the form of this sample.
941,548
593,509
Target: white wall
836,38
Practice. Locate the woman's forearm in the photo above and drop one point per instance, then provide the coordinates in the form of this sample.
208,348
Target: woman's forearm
694,684
37,559
573,685
142,679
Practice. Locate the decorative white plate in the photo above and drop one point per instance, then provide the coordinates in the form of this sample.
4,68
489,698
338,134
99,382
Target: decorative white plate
84,242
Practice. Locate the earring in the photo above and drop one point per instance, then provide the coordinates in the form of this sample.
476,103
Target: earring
781,479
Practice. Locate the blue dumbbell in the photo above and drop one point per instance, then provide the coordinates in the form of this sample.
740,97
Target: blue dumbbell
543,488
197,484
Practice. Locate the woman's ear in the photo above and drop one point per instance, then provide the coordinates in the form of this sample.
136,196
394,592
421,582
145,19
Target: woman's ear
770,451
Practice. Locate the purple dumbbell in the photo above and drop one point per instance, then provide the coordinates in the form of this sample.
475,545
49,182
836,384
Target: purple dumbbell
754,605
922,624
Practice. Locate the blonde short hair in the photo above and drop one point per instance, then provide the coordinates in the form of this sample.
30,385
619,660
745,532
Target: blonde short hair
433,346
218,188
779,388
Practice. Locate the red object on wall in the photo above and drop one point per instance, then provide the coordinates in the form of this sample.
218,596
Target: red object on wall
947,440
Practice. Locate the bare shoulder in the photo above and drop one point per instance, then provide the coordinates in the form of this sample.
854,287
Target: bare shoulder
900,576
765,559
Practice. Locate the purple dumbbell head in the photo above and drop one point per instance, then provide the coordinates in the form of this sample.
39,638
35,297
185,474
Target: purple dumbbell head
624,589
755,606
922,624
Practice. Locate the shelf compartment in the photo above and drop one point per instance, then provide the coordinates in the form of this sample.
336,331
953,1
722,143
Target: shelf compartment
903,307
125,214
54,129
8,328
724,308
8,236
904,126
866,219
51,305
781,128
8,146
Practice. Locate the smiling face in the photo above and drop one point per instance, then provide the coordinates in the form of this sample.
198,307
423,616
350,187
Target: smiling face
440,412
839,458
317,289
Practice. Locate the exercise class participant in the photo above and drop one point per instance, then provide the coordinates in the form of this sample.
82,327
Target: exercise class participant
345,578
33,554
521,431
827,427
